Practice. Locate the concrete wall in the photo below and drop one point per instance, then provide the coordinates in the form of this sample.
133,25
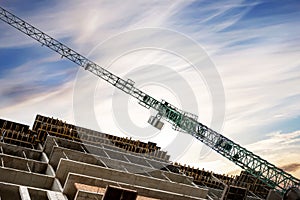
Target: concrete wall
68,166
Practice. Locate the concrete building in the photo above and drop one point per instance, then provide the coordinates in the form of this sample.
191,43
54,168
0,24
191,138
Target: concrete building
58,161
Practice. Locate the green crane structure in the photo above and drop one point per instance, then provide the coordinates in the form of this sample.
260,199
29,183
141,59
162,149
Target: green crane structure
258,167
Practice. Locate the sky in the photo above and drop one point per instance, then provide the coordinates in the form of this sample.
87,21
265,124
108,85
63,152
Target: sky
233,63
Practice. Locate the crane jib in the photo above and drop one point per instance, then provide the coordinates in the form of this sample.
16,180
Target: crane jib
268,173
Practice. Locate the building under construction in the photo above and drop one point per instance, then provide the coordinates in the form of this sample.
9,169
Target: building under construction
58,161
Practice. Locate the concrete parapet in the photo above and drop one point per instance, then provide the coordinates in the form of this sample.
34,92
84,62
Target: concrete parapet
68,166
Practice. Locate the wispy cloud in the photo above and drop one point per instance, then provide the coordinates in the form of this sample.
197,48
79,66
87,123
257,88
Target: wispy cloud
281,149
282,141
291,167
33,78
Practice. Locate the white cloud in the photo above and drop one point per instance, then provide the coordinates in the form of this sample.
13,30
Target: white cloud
277,143
281,149
50,103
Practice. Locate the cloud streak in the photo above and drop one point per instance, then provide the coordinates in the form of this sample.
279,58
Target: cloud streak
291,167
282,149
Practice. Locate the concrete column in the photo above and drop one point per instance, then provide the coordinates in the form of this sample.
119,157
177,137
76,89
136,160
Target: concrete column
24,193
56,186
44,157
50,171
55,196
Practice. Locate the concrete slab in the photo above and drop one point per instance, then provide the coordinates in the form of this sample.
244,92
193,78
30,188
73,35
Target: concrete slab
137,160
103,150
179,178
67,166
116,155
24,164
25,178
19,151
98,151
69,144
59,152
74,179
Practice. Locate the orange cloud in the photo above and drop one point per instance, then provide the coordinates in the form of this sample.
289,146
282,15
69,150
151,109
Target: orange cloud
292,167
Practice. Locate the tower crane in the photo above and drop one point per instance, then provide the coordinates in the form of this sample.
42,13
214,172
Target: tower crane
271,175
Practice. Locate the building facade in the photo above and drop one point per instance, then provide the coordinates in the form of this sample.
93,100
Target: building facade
56,160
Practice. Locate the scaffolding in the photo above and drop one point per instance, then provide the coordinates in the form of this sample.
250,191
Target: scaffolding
44,126
220,181
18,134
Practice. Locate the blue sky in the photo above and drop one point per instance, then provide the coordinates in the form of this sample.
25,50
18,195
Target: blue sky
254,45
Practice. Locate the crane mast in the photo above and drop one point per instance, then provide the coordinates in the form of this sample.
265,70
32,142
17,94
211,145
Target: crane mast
268,173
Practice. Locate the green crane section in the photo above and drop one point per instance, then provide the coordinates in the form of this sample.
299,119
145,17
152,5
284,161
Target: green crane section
183,121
